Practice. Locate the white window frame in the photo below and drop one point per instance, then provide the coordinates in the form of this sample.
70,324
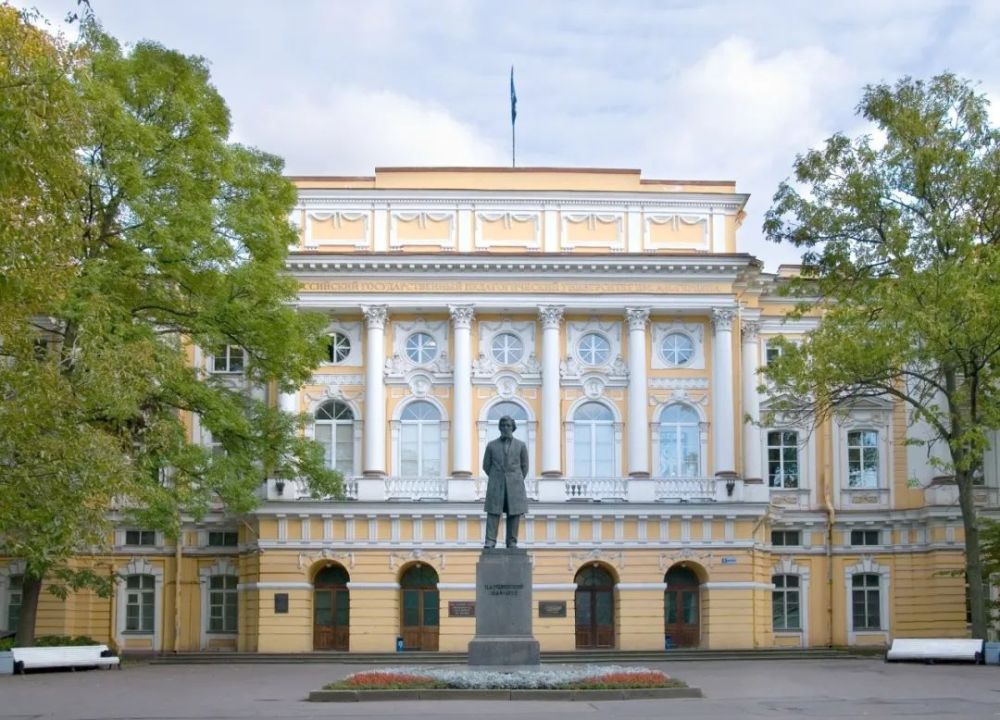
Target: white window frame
659,439
334,424
213,359
865,473
867,565
787,566
396,426
873,415
680,333
221,566
654,434
785,590
782,447
332,336
139,566
12,569
695,332
310,430
578,350
493,349
570,432
351,331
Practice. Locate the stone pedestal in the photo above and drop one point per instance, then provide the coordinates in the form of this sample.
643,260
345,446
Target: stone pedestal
503,610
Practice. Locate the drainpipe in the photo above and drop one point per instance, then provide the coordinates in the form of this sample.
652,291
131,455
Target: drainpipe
831,517
178,554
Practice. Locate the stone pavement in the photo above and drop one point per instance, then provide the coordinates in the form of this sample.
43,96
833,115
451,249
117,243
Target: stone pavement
848,688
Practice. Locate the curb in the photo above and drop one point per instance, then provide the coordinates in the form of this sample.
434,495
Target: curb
470,694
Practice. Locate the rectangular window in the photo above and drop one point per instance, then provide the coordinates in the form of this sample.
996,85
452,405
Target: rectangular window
139,603
228,359
783,459
771,353
223,604
865,597
785,602
866,537
783,538
862,459
140,537
15,597
223,538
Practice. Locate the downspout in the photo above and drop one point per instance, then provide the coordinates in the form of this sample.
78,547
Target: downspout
831,517
178,556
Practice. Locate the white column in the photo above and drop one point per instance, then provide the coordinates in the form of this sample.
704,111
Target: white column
752,468
374,438
461,463
289,402
551,318
722,392
638,424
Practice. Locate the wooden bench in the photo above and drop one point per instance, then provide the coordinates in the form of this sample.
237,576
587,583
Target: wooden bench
63,656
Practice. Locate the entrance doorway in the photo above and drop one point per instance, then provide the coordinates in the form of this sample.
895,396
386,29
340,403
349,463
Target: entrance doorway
681,626
331,609
595,608
420,615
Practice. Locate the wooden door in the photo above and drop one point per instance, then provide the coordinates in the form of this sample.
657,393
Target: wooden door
331,610
420,613
595,609
681,627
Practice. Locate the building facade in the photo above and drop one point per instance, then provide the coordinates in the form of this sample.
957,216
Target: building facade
613,318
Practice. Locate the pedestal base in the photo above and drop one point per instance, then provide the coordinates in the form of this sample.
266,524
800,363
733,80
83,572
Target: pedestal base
504,651
503,610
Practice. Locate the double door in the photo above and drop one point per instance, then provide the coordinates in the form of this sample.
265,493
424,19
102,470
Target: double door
331,619
595,618
421,618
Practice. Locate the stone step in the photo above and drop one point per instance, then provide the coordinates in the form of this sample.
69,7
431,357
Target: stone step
449,658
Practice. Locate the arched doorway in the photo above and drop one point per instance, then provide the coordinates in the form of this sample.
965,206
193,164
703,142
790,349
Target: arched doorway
331,609
595,608
681,627
419,613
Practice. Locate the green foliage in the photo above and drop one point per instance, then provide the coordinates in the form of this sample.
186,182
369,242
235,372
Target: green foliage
63,640
6,643
901,233
133,231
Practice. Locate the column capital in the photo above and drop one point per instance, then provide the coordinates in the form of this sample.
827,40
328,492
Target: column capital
637,317
722,318
551,315
375,316
750,330
461,315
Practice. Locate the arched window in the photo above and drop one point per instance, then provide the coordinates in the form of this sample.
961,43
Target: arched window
331,609
334,430
511,409
680,444
593,441
420,440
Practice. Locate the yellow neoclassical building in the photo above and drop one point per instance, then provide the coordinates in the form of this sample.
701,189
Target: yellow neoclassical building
613,317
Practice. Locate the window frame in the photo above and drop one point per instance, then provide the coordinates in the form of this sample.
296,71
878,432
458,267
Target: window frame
592,427
871,583
435,345
15,589
229,361
229,607
332,348
864,535
434,438
141,536
783,590
782,447
607,349
146,602
863,472
334,422
690,350
507,360
234,535
784,535
679,428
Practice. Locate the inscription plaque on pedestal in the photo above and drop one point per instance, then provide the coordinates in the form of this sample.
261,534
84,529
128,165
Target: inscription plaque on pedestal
503,610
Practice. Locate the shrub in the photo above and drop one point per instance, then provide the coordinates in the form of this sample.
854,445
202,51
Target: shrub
6,644
624,680
56,640
386,681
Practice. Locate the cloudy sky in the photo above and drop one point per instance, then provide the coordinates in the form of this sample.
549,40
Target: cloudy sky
684,89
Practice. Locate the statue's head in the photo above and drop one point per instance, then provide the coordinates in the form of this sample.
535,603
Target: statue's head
507,426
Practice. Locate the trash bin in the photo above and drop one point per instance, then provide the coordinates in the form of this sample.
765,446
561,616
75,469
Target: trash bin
668,643
991,653
399,644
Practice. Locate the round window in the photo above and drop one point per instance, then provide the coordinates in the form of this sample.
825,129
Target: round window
420,348
594,349
677,348
339,348
507,348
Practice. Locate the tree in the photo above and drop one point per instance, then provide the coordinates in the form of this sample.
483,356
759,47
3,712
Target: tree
901,234
133,232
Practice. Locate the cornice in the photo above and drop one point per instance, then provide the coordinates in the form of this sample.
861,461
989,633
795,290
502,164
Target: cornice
350,198
728,265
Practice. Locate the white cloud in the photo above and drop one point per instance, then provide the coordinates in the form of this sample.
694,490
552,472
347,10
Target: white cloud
351,130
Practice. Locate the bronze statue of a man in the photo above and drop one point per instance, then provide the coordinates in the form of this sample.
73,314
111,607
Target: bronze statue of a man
505,463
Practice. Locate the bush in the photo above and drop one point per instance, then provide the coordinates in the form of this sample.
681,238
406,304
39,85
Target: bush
57,640
6,644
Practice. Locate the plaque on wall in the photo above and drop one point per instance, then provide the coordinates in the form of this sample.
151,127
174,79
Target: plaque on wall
280,603
552,608
461,608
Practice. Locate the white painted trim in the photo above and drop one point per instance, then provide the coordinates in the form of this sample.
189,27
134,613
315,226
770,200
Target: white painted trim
139,566
736,585
374,586
456,586
274,586
553,586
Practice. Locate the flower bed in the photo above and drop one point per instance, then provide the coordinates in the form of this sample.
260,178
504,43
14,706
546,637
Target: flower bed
583,677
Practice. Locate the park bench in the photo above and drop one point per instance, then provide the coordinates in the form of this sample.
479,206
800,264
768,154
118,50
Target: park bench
63,656
930,650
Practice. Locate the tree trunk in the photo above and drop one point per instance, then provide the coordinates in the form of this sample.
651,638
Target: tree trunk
31,588
973,563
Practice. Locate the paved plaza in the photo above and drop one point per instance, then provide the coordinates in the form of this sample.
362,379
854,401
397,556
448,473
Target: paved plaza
845,688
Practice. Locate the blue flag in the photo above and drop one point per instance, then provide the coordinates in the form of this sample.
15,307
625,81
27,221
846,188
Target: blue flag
513,97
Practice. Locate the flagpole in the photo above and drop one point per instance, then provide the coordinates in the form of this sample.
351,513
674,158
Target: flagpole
513,118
